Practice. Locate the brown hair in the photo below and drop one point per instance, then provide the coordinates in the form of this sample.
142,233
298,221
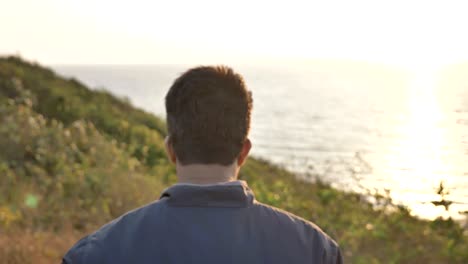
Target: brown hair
208,115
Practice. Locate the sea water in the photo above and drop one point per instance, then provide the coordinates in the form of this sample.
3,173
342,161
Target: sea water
361,130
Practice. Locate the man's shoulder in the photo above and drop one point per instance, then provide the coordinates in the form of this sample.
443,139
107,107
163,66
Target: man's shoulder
131,219
90,247
287,216
291,223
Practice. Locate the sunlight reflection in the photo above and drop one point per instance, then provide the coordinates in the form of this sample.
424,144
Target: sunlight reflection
420,150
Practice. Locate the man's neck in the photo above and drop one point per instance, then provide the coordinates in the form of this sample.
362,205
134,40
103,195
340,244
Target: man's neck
206,173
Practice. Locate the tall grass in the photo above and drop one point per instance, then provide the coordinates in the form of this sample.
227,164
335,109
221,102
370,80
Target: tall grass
72,159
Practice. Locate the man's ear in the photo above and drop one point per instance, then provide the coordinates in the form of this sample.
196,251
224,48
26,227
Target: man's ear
244,152
170,150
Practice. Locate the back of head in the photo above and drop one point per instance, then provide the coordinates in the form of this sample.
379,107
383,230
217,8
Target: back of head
208,115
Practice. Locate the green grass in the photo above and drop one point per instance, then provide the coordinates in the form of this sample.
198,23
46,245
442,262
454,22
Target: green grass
73,159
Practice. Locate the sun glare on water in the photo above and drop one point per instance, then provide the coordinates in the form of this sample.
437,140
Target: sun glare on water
421,144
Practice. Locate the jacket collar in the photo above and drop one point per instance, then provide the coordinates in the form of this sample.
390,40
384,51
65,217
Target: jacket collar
232,194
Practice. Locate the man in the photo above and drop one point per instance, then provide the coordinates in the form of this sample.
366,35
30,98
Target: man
209,216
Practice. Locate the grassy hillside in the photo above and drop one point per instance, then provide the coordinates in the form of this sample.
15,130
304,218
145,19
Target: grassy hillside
72,159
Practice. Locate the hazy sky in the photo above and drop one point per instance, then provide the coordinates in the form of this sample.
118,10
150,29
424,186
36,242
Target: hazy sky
408,33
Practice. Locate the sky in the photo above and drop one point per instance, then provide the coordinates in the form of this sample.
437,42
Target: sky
412,34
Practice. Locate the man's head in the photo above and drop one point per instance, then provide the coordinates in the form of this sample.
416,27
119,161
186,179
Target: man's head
208,117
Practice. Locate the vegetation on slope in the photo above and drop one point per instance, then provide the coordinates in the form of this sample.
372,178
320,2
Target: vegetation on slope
72,159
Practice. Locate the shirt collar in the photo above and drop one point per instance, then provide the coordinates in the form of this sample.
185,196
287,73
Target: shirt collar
238,182
226,194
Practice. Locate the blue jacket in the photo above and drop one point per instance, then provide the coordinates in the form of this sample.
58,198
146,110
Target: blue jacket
206,224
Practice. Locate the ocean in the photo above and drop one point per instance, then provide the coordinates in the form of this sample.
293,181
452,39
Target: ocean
359,128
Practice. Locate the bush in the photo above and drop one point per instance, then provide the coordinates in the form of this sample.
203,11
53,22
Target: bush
72,159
